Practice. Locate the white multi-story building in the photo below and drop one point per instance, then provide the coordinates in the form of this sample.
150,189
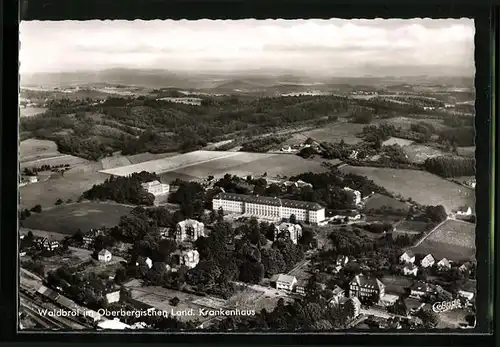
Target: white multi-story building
156,187
189,230
357,195
267,207
294,231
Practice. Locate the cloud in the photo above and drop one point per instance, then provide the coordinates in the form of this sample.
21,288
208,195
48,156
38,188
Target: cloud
223,45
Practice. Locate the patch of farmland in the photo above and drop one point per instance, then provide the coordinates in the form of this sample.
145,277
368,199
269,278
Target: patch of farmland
114,161
67,218
441,250
455,232
32,149
411,227
143,157
406,122
31,111
419,153
172,163
69,186
423,187
331,133
467,151
379,201
397,141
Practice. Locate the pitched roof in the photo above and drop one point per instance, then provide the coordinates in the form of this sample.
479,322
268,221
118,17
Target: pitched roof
420,286
285,278
444,261
409,254
428,257
104,252
265,200
337,290
366,282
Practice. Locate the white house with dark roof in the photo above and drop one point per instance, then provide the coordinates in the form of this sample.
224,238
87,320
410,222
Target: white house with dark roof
427,261
444,264
284,282
267,207
410,270
104,255
407,257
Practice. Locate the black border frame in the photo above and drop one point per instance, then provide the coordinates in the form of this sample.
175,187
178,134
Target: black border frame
486,24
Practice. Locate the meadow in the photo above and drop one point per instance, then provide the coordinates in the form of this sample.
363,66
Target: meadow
33,149
67,218
454,240
419,153
334,132
421,186
378,201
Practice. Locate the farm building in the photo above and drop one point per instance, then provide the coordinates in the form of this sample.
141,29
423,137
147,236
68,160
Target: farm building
465,211
104,256
262,206
189,230
294,231
407,257
427,261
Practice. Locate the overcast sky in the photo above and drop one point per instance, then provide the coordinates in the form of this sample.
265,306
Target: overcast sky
337,46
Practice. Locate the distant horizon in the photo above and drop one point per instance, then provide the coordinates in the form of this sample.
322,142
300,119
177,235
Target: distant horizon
323,48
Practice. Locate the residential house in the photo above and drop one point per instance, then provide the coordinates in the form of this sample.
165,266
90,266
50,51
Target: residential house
465,267
337,295
407,257
187,257
357,195
410,270
113,296
444,264
189,230
465,211
89,238
156,187
104,256
366,287
284,282
342,260
387,300
418,289
427,261
294,231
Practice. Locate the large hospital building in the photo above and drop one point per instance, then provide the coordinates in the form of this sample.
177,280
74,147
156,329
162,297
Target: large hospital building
267,207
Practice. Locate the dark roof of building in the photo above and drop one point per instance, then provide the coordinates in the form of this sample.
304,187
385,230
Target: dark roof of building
420,286
367,282
266,200
409,254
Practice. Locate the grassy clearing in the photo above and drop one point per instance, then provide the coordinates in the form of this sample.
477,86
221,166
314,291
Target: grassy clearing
330,133
419,153
455,232
441,250
397,141
33,149
31,111
66,219
143,157
406,122
378,201
423,187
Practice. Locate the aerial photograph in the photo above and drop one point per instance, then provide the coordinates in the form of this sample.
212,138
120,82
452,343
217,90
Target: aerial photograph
247,175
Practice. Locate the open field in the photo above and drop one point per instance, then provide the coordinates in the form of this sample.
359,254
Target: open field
395,284
69,186
201,164
423,187
378,201
61,159
330,133
455,240
397,141
65,219
143,157
419,153
31,111
32,149
406,122
410,228
467,151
